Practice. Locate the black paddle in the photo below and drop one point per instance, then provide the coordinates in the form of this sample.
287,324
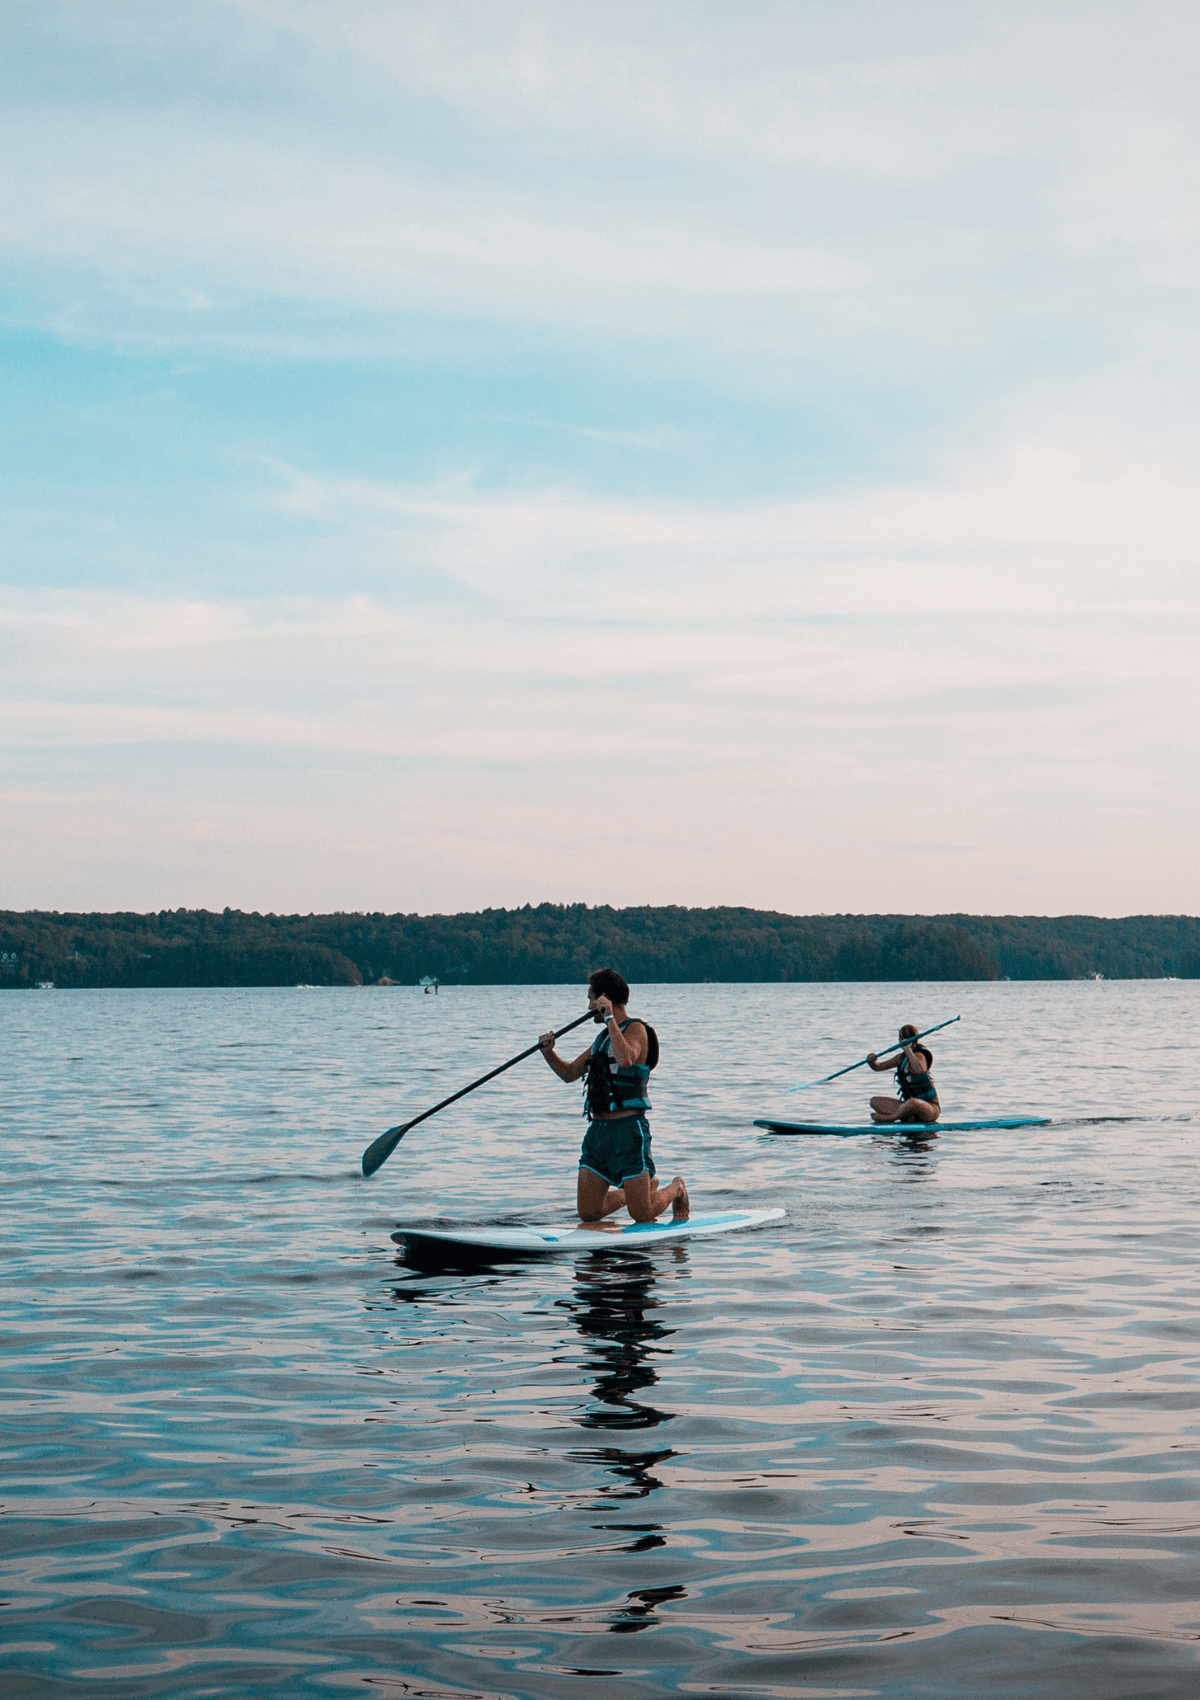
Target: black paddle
377,1154
899,1045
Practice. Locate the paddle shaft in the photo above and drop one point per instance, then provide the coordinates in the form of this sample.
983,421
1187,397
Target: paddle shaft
377,1153
899,1045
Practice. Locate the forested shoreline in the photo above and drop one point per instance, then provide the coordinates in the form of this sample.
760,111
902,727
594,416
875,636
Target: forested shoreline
559,943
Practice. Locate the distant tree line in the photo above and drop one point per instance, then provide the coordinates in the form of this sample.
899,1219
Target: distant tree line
559,943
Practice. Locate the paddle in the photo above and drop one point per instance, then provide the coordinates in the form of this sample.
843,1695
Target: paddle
899,1044
377,1154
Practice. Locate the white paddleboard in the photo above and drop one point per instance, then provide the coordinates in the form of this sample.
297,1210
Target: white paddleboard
575,1236
903,1127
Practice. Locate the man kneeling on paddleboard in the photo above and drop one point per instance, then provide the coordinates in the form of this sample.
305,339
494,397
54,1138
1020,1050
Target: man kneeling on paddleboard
918,1100
615,1165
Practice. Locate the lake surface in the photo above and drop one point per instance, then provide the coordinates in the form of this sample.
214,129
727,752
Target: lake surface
936,1434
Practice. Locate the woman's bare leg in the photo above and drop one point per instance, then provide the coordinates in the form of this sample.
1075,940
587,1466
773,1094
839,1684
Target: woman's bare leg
920,1110
886,1109
595,1198
646,1201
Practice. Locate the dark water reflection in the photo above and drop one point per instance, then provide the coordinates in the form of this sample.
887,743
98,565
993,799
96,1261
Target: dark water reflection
617,1313
938,1434
910,1157
614,1308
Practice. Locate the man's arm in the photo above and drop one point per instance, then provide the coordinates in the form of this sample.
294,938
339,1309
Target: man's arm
632,1046
565,1070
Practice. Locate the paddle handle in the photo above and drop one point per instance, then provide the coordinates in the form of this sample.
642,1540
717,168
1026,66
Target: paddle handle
826,1078
378,1152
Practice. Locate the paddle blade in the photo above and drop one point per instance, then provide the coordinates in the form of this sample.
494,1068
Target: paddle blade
378,1152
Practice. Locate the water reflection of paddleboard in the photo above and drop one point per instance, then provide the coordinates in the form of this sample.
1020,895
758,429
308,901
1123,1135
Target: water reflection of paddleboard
575,1236
911,1128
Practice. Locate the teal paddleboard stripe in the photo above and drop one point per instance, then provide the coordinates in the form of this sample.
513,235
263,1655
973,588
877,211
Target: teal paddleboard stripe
701,1221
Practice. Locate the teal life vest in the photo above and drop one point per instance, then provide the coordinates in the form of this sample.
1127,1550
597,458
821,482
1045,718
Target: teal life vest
611,1088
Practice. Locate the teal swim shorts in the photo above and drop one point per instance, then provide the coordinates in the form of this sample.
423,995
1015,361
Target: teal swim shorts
618,1150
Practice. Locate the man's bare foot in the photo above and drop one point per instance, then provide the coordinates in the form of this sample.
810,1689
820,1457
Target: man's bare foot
681,1209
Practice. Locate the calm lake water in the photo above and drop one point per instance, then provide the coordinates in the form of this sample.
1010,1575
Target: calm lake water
936,1434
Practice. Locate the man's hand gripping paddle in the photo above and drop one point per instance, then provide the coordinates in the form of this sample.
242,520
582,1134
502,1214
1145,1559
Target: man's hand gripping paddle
377,1154
897,1046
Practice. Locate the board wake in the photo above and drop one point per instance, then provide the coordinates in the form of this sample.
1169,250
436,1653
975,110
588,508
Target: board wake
574,1236
902,1127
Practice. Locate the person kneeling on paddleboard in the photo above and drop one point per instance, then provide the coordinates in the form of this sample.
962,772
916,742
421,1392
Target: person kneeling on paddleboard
918,1100
615,1165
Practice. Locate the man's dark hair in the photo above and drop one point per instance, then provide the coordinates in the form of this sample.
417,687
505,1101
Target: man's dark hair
607,983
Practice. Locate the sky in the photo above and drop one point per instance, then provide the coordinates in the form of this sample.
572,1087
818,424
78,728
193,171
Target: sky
462,455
